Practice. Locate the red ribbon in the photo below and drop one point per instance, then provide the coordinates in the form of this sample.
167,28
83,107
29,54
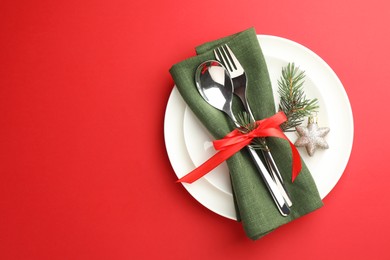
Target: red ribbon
236,140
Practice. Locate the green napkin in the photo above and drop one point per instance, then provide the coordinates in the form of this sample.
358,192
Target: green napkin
257,210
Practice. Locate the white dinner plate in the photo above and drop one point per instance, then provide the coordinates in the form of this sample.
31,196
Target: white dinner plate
189,144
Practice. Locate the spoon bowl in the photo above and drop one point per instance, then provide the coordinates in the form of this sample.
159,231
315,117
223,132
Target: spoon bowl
215,86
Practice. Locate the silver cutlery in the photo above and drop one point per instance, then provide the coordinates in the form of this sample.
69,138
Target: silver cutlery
216,87
226,56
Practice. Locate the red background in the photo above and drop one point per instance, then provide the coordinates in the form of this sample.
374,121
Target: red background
83,168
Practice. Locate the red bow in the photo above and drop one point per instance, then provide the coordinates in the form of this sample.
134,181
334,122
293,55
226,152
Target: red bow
236,140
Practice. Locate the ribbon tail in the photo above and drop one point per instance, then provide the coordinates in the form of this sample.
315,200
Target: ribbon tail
296,159
211,163
296,162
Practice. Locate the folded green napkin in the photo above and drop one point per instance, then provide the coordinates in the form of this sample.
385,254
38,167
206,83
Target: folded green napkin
257,210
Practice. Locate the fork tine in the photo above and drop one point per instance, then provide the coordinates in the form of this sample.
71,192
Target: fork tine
216,54
219,57
219,54
235,62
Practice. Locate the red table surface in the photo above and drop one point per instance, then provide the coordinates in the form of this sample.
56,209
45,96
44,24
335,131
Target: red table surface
84,172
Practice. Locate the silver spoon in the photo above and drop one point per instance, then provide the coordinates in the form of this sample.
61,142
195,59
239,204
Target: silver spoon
216,87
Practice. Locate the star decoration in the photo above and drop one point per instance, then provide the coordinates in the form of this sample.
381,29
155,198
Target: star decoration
312,137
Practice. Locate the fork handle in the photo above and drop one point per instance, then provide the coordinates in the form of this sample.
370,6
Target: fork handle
273,168
276,194
269,182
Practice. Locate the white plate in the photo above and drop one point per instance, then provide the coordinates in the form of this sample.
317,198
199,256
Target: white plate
189,144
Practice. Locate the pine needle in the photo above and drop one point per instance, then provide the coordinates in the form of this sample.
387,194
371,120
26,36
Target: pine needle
246,126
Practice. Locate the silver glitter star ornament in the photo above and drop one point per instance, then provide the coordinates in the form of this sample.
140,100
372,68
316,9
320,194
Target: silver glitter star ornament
312,136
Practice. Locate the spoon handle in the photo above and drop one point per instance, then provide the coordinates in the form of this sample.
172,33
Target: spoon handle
279,181
272,167
271,185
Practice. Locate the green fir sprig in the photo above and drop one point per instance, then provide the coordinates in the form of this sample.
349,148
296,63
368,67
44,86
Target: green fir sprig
246,126
293,101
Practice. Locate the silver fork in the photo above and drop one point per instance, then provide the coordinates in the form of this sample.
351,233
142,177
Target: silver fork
226,56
